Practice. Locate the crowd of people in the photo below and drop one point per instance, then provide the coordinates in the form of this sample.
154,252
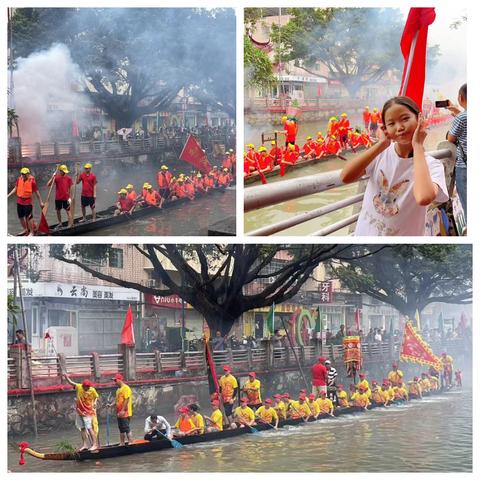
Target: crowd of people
241,406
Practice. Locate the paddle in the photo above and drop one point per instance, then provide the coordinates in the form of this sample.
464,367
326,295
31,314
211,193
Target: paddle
302,417
266,423
72,206
174,443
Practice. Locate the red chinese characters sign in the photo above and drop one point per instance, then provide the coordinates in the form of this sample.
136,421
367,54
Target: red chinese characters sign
326,292
170,301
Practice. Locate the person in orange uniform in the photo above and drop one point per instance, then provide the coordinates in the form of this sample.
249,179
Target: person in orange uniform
209,181
184,424
216,418
366,118
164,178
89,190
199,184
289,158
227,161
25,187
332,146
364,382
228,391
325,405
224,178
395,375
447,363
131,193
291,129
179,190
87,398
189,187
279,406
332,126
300,408
252,390
125,205
124,409
216,173
343,129
312,403
264,163
152,197
342,396
267,414
375,119
250,159
309,148
243,415
275,153
360,398
63,189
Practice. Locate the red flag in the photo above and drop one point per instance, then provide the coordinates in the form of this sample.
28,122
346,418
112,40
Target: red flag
192,153
213,385
416,350
128,337
43,225
414,50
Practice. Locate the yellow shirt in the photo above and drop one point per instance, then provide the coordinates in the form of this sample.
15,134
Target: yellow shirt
217,419
425,383
342,397
414,388
267,414
123,393
300,410
281,409
325,405
314,407
252,390
364,383
391,393
395,376
360,400
433,383
377,395
401,392
86,400
385,396
447,362
198,422
228,384
246,414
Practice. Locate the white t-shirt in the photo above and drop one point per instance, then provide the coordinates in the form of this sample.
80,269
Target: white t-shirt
389,207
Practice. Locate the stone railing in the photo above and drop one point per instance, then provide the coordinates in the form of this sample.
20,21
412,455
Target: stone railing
48,370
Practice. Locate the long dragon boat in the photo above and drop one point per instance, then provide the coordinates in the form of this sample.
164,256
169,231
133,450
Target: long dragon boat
142,446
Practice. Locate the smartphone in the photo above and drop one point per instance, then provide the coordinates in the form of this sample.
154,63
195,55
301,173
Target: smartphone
442,103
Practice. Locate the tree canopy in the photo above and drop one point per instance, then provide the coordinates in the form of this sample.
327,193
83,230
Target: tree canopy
410,277
136,60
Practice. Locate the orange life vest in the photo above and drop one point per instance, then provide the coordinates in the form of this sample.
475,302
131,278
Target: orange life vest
132,195
163,179
24,187
151,197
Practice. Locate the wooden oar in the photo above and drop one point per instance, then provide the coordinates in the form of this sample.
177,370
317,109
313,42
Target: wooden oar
266,423
72,206
47,201
174,443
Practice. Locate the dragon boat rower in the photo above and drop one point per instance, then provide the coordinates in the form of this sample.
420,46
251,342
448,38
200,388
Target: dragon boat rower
243,415
216,419
325,405
300,408
414,388
125,205
184,424
155,425
228,391
267,414
342,396
312,403
360,398
364,383
279,406
252,390
395,375
197,419
89,191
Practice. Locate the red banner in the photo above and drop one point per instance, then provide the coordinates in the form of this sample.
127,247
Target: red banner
416,350
170,301
192,153
414,50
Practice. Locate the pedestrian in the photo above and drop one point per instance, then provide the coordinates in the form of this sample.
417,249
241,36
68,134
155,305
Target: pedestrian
319,377
86,416
20,337
124,409
458,135
403,181
218,343
251,389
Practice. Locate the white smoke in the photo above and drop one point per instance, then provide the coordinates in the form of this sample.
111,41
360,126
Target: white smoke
46,95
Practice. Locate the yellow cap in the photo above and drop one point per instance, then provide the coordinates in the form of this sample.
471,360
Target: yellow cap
230,150
24,170
333,137
319,133
180,179
291,146
164,167
129,186
149,187
343,115
225,169
332,119
87,165
199,175
251,145
375,109
284,119
309,137
63,168
273,142
262,149
145,185
122,190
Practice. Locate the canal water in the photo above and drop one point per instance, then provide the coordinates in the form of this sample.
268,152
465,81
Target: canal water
192,218
269,215
431,435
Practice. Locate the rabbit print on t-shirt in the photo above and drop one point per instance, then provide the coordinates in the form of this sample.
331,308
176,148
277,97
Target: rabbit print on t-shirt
385,202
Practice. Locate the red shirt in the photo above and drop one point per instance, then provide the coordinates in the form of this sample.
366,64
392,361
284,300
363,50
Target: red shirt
88,182
26,201
125,203
319,375
62,186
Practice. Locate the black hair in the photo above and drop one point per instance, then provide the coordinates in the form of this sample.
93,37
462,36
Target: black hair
20,331
463,91
153,416
193,407
405,101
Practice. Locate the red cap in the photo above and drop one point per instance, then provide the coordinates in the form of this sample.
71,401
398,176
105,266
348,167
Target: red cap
322,359
244,400
311,396
268,401
394,365
227,368
374,382
415,378
86,383
340,385
252,374
277,395
216,403
361,375
323,393
385,384
286,395
183,410
303,390
362,387
444,353
118,376
302,397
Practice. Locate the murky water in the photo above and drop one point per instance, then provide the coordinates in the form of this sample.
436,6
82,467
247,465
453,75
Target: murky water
432,435
282,211
193,218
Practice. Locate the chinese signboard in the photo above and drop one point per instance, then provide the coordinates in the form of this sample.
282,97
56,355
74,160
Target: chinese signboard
170,301
326,292
66,290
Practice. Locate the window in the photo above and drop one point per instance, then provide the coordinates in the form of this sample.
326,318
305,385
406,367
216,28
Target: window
35,321
115,258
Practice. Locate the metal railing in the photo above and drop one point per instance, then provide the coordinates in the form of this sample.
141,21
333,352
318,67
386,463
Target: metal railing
276,193
11,369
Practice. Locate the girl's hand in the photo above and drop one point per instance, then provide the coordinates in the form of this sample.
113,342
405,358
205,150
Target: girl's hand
382,135
420,133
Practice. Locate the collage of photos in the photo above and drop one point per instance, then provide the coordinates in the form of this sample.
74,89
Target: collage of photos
169,351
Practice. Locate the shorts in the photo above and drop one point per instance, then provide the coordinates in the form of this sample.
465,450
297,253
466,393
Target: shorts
24,211
228,407
59,204
83,422
88,201
164,192
318,389
124,424
254,406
